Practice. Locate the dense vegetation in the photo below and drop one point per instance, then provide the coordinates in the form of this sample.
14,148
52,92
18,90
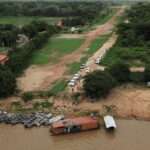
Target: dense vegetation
134,37
52,9
74,13
120,71
8,35
38,34
7,82
98,84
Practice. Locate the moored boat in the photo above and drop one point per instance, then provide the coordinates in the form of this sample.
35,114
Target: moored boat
73,125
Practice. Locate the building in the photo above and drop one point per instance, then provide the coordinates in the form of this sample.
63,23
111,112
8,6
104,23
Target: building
3,59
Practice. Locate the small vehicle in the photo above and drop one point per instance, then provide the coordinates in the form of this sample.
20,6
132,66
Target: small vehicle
82,66
75,78
77,75
71,83
87,70
97,61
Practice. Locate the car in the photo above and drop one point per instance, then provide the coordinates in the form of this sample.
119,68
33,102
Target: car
82,66
75,78
87,70
97,61
71,83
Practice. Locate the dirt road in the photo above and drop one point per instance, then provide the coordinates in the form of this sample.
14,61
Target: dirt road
41,77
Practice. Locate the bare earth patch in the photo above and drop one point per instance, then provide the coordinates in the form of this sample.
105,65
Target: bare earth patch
130,102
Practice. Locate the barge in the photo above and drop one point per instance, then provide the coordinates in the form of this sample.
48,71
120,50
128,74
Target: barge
74,125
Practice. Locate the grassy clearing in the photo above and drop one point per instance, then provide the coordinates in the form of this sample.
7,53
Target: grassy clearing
26,20
74,67
3,49
96,44
55,49
134,56
58,86
102,19
99,20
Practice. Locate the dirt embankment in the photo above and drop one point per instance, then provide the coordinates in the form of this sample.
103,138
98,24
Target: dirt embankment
128,101
41,77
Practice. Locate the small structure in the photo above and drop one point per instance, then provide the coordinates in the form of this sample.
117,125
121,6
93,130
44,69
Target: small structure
60,24
148,84
3,59
109,122
73,125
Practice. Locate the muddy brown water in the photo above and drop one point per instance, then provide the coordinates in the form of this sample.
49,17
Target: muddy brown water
130,135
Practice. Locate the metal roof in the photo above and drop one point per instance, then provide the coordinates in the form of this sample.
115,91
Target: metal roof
109,122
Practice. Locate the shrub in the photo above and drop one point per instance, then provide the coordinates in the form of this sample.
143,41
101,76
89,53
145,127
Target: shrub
7,82
147,73
27,96
137,77
120,71
98,84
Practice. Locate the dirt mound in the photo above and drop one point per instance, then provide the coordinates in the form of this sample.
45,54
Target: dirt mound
129,102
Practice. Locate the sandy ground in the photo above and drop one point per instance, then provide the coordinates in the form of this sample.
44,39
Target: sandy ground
72,36
128,101
41,77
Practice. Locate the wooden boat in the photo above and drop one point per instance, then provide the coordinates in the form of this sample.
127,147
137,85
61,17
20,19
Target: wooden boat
73,125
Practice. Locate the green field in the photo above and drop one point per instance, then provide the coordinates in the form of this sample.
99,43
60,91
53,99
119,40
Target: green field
3,49
96,44
102,19
58,86
26,20
54,50
134,56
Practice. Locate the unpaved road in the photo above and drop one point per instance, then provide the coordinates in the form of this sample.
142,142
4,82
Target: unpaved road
41,77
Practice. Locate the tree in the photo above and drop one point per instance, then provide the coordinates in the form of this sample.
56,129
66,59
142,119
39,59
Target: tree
147,73
7,82
98,84
120,71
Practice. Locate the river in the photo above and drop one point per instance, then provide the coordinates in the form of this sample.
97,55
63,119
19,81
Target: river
130,135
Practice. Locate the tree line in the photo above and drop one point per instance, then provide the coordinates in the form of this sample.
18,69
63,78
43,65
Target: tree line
8,35
50,9
19,56
135,31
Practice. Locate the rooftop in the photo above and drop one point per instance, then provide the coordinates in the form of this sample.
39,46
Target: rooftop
76,121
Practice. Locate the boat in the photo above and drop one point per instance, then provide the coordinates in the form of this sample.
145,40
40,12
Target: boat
56,119
73,125
109,122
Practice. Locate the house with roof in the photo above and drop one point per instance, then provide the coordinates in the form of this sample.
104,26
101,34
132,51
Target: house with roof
3,59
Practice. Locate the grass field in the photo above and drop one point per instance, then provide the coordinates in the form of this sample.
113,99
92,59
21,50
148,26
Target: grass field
134,56
59,86
54,50
101,20
25,20
3,49
96,44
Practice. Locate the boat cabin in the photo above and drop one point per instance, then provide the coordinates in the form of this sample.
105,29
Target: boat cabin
109,122
74,125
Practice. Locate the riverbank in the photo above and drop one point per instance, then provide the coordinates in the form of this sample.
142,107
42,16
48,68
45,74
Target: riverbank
127,101
128,136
